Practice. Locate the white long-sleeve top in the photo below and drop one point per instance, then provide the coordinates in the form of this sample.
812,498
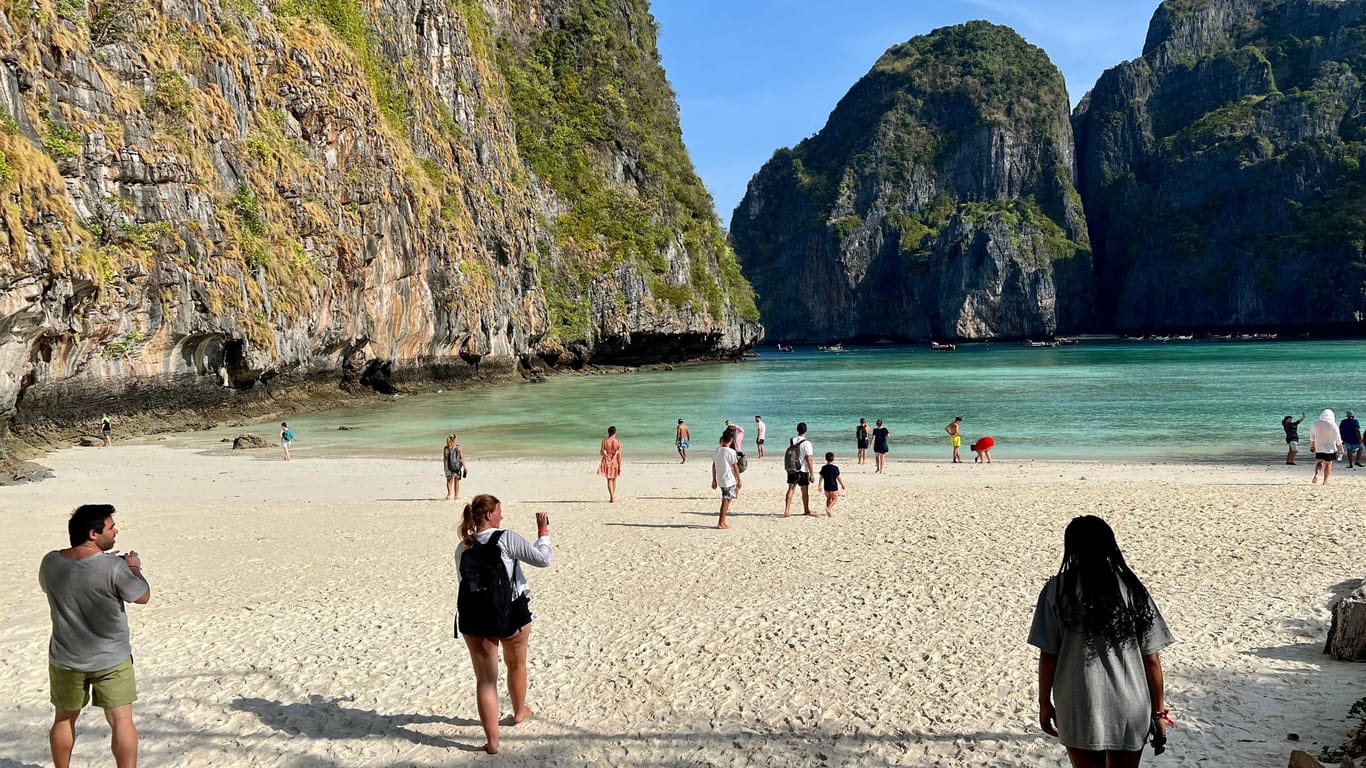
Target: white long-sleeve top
515,548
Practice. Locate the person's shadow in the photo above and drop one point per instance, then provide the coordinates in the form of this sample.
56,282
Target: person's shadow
321,718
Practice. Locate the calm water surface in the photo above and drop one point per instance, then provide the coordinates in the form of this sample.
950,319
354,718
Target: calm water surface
1105,400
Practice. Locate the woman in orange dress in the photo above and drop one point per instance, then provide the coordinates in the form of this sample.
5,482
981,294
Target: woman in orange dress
610,466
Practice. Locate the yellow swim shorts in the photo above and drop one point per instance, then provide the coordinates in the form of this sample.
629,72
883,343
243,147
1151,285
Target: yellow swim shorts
955,440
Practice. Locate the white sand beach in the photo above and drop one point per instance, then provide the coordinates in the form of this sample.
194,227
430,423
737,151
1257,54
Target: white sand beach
301,612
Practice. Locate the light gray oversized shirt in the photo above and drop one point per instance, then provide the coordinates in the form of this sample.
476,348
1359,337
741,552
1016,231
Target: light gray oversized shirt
1102,703
515,548
86,597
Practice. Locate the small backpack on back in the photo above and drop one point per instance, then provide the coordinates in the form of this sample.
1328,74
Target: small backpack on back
792,457
289,435
741,463
484,604
454,463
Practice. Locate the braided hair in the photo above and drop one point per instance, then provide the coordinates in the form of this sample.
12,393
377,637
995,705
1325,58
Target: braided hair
1090,597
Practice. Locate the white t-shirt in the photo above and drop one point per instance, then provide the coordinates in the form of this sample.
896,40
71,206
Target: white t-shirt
1324,437
722,462
762,430
804,451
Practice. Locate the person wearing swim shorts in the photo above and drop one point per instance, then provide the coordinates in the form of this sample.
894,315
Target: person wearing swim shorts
760,429
955,437
681,436
90,656
831,482
725,474
799,475
1350,429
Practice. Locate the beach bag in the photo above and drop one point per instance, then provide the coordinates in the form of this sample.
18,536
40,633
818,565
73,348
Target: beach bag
792,457
483,606
741,463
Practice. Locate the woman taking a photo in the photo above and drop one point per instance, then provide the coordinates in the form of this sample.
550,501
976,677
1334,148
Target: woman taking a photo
1098,633
493,608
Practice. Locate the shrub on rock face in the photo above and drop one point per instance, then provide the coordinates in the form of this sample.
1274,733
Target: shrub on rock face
247,441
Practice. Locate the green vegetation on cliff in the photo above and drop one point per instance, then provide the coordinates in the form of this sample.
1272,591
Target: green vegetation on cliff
591,103
1250,176
953,139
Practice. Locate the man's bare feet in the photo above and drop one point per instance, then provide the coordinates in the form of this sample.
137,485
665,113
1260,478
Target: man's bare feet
491,748
522,716
722,525
809,514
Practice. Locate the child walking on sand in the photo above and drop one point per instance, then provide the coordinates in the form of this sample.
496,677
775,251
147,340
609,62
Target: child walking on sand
831,482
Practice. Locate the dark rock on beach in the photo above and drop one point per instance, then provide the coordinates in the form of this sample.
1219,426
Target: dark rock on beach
248,441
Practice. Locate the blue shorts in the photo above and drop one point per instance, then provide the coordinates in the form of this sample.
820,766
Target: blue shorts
1349,447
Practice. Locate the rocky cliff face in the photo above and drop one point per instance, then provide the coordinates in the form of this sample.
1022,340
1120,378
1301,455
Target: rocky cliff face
198,195
937,202
1222,171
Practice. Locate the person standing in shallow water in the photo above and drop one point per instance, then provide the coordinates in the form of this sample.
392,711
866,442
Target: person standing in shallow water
610,465
286,437
1099,634
861,440
1292,437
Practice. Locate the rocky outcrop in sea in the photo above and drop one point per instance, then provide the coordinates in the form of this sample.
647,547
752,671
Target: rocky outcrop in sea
937,202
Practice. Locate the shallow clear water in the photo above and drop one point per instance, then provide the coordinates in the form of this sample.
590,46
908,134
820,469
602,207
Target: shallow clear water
1108,400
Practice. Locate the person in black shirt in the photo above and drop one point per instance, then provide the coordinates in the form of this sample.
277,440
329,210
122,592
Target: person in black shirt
1292,437
831,482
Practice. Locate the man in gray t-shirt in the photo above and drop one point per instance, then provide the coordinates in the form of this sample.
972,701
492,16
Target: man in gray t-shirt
90,657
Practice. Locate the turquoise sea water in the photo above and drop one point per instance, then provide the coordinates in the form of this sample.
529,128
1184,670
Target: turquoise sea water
1106,400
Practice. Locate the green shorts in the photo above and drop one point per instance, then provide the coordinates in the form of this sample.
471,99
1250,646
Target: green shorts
113,687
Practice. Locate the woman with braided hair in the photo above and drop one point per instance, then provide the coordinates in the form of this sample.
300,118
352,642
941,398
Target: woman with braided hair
1099,632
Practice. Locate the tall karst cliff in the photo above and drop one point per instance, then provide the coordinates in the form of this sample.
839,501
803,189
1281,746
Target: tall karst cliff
198,195
1223,171
937,202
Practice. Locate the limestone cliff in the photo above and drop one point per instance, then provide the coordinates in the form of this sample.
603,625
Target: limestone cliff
937,202
1222,170
199,195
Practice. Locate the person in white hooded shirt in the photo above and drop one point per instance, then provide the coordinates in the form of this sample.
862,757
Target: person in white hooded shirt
1325,441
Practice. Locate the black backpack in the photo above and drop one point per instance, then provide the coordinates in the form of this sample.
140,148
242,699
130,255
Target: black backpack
484,604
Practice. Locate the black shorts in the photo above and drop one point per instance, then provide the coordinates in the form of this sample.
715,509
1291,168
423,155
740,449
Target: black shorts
799,478
863,445
759,441
519,613
1326,456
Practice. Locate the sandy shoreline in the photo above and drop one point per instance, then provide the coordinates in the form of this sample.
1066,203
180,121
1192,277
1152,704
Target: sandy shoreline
301,612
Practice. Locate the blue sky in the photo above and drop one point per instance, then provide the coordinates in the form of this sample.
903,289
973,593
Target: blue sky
756,75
